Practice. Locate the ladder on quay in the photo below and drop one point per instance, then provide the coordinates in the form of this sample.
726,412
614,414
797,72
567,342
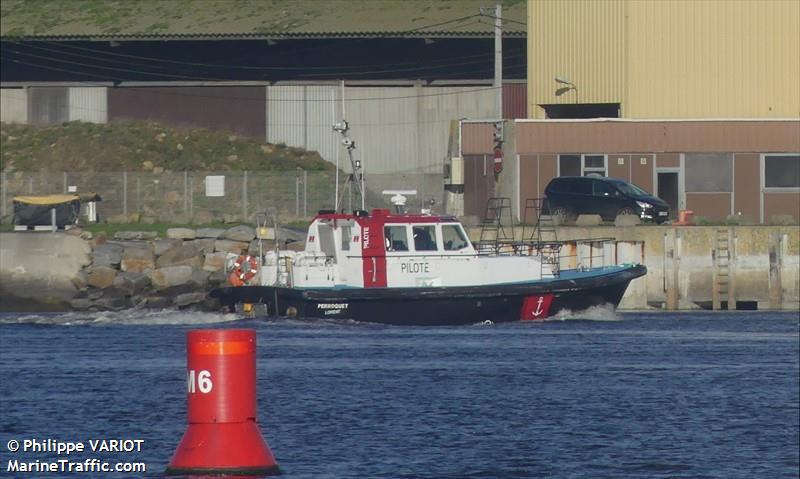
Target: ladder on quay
721,257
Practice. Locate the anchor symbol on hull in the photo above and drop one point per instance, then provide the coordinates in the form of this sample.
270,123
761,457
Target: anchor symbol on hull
538,307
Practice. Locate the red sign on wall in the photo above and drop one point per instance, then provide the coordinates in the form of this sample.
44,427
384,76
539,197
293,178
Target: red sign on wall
498,161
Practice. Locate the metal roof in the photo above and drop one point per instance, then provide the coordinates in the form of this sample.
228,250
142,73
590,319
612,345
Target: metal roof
250,19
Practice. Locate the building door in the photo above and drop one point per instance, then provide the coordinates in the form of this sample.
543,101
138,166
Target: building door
667,190
478,184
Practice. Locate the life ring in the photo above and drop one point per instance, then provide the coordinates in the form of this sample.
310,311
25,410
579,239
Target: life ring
244,269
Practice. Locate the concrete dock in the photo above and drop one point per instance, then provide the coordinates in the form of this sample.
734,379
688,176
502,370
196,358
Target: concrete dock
694,267
689,267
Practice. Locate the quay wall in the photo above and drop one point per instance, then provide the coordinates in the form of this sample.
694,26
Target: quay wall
763,264
75,271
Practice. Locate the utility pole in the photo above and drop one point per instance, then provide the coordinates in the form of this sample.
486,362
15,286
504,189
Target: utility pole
498,59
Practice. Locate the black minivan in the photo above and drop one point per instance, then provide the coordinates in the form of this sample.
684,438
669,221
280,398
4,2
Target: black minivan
570,196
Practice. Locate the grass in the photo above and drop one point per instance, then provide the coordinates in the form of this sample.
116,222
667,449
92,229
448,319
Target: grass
143,146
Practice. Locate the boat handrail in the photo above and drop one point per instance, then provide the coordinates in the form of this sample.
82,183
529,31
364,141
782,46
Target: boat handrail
596,256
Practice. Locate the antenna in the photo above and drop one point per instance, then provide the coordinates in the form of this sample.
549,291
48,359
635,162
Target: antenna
356,176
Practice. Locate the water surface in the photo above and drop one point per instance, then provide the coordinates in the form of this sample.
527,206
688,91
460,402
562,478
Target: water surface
635,395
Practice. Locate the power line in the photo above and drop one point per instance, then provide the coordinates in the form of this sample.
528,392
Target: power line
243,67
449,73
161,92
413,30
117,69
504,19
211,65
310,125
436,66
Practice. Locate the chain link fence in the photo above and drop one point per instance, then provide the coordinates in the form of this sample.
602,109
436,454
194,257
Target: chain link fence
181,197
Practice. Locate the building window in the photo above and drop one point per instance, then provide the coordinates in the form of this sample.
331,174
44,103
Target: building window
569,165
581,165
709,172
782,171
594,165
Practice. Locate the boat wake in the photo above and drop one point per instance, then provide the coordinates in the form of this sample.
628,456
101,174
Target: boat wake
604,312
127,317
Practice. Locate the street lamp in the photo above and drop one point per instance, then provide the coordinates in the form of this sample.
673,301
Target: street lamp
569,85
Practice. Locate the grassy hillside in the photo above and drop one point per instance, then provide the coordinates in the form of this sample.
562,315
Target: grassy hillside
143,17
143,146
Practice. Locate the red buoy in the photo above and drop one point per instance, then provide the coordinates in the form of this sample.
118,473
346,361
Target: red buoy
223,435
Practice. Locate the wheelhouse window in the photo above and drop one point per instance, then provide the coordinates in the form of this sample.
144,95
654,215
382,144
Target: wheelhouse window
453,238
581,165
424,237
326,241
345,238
782,171
396,238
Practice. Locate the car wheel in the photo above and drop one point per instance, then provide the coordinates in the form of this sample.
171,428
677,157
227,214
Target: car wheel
563,214
626,211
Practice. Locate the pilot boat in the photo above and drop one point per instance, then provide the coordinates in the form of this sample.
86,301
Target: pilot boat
393,267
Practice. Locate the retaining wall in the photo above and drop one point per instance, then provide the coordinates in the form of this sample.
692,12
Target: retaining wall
764,265
60,271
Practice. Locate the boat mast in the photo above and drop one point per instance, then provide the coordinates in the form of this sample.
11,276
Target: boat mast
356,177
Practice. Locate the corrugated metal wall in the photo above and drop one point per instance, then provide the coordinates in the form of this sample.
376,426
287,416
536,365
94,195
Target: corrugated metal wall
13,105
624,136
53,105
714,59
235,108
668,58
48,105
397,129
582,41
515,101
477,138
89,104
286,115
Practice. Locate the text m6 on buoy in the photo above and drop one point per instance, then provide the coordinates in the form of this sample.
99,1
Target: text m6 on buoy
223,435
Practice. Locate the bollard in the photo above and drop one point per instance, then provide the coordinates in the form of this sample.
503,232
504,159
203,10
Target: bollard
223,435
685,218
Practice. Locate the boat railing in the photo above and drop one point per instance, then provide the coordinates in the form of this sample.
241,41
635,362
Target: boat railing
556,256
539,238
587,253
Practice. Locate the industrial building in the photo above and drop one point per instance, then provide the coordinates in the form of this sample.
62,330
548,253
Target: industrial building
695,101
399,72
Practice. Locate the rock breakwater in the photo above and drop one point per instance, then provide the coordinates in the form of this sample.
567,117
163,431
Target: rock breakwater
76,270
